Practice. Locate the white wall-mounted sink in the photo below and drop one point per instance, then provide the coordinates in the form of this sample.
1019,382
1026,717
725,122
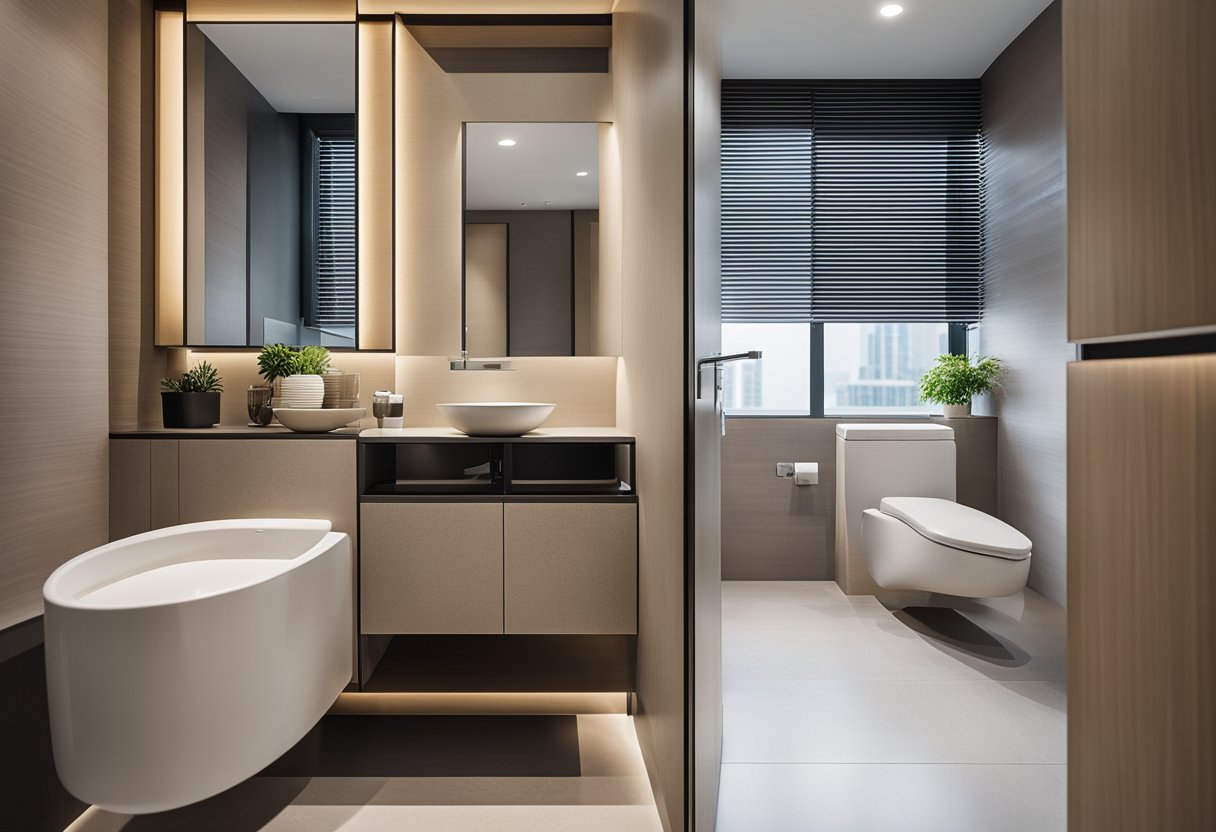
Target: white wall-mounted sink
495,418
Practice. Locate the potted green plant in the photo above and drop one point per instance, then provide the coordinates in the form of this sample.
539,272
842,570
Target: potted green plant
276,361
193,400
954,380
304,386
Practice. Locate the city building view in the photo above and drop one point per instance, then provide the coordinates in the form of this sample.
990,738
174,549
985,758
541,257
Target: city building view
868,368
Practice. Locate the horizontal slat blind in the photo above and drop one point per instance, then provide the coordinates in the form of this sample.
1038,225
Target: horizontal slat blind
336,255
879,214
766,204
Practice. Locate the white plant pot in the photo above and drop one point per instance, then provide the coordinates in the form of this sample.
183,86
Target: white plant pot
957,411
302,391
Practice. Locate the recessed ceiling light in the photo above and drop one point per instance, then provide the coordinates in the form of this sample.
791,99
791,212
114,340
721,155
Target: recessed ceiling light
506,142
581,173
891,10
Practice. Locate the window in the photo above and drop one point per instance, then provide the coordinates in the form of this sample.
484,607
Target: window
330,223
852,240
779,384
874,368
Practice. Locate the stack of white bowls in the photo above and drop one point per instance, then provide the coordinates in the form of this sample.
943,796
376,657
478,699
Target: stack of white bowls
301,391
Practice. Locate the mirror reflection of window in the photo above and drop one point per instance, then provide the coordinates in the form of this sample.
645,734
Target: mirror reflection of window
270,143
531,238
329,221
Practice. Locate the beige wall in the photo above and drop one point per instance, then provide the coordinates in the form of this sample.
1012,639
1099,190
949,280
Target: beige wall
53,316
1025,290
648,67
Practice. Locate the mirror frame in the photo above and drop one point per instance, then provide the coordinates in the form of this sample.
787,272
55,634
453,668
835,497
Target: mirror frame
375,292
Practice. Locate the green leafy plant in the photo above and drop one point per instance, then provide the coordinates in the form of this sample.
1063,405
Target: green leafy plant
201,378
311,361
276,361
955,380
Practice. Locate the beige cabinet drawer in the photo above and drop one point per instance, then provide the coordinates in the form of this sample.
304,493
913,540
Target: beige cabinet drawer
570,568
431,568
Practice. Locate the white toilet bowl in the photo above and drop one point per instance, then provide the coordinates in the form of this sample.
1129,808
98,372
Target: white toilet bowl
935,545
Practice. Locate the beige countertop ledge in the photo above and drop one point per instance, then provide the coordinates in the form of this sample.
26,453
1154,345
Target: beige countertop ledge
420,434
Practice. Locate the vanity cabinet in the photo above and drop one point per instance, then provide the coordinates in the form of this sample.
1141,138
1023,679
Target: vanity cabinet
431,567
570,568
522,536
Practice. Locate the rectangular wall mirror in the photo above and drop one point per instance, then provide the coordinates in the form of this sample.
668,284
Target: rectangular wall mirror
531,239
271,220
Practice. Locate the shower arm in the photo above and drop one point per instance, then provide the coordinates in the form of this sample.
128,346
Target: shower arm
718,361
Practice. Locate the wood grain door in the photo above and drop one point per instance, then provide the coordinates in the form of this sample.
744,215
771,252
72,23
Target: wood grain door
1141,581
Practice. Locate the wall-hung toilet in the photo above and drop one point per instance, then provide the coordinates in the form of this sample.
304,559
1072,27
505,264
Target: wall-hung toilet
898,527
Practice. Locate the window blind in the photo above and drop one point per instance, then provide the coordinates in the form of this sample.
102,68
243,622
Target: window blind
336,256
852,201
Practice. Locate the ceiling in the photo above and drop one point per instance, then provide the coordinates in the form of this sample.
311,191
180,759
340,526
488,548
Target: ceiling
540,168
297,67
850,39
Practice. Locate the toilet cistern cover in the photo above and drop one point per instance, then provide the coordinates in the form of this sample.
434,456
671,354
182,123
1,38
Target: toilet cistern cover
958,526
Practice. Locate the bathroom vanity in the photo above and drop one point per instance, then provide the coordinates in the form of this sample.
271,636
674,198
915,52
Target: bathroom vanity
497,546
497,535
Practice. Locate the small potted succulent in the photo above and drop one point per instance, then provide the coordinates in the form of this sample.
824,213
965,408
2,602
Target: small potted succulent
193,400
304,386
954,380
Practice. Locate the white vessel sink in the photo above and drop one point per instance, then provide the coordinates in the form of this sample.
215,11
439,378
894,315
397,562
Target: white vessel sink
495,418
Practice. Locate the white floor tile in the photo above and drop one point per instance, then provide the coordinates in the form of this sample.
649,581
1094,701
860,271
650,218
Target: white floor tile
894,722
843,714
908,798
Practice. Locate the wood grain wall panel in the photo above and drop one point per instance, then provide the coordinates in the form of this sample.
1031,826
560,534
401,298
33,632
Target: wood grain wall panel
130,487
54,468
773,530
1141,578
705,466
1139,87
431,108
1025,291
648,82
135,366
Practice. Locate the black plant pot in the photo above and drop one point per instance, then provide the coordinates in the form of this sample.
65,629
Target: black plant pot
190,410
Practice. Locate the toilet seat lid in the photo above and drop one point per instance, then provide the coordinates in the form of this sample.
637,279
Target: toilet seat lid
958,526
